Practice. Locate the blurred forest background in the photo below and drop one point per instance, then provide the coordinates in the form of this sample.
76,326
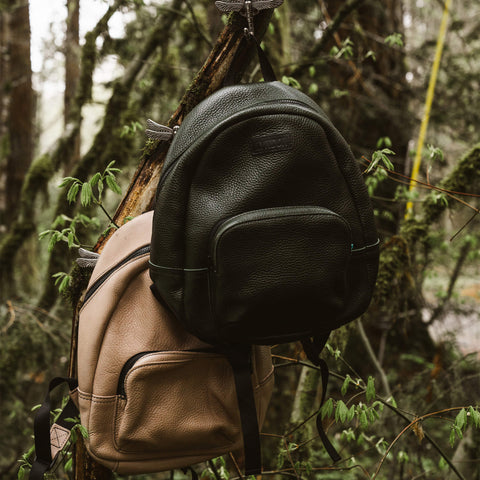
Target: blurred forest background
406,381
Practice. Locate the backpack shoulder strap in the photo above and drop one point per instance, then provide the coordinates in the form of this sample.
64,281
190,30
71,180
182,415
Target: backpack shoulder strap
50,440
240,359
313,348
265,66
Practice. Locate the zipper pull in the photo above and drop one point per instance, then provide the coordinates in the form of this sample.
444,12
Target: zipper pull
87,259
155,131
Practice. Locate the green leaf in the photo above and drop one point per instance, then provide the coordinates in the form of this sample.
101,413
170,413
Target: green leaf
351,414
207,473
346,382
313,89
370,392
384,142
474,416
110,169
327,408
100,188
395,39
86,196
452,437
436,153
44,234
442,464
112,184
349,435
403,457
292,82
73,192
61,221
334,51
68,465
21,473
341,412
65,284
312,70
110,165
374,415
95,179
363,419
71,239
337,93
67,180
54,239
461,419
371,54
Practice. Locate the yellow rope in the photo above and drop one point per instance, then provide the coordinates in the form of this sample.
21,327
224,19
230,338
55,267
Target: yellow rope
428,102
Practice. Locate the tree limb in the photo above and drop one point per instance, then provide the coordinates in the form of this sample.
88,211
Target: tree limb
345,10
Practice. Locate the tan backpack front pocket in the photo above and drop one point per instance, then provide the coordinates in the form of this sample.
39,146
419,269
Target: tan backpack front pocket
151,417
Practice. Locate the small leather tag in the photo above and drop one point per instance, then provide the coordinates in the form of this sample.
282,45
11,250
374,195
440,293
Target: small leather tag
271,143
58,438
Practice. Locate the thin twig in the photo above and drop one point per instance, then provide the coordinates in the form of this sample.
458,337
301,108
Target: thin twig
11,320
422,184
373,358
235,464
290,458
410,425
343,12
197,26
402,415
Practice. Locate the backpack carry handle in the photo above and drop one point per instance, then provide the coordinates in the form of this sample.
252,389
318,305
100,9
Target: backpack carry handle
266,67
50,439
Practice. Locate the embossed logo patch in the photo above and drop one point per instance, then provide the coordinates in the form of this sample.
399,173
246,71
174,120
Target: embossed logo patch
271,143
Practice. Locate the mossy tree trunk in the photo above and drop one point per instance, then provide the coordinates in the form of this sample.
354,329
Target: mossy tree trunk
20,105
72,72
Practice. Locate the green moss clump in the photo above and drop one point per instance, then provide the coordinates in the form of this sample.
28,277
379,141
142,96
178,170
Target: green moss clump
463,178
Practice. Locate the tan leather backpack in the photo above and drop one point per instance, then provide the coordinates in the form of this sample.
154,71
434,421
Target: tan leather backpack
151,396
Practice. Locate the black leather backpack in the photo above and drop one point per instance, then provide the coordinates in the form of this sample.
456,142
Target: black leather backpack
263,231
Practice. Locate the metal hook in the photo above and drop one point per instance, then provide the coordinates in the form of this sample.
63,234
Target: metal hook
247,8
249,15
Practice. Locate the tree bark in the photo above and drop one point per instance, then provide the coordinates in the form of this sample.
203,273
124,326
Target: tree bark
72,72
4,33
20,108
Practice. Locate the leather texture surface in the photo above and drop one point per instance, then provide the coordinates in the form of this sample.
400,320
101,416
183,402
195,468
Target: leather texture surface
250,148
152,396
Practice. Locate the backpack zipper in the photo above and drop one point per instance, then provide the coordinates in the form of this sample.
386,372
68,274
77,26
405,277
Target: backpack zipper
155,131
103,278
270,102
130,363
262,214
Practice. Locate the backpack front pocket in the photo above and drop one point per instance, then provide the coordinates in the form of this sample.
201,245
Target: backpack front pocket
278,269
162,416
